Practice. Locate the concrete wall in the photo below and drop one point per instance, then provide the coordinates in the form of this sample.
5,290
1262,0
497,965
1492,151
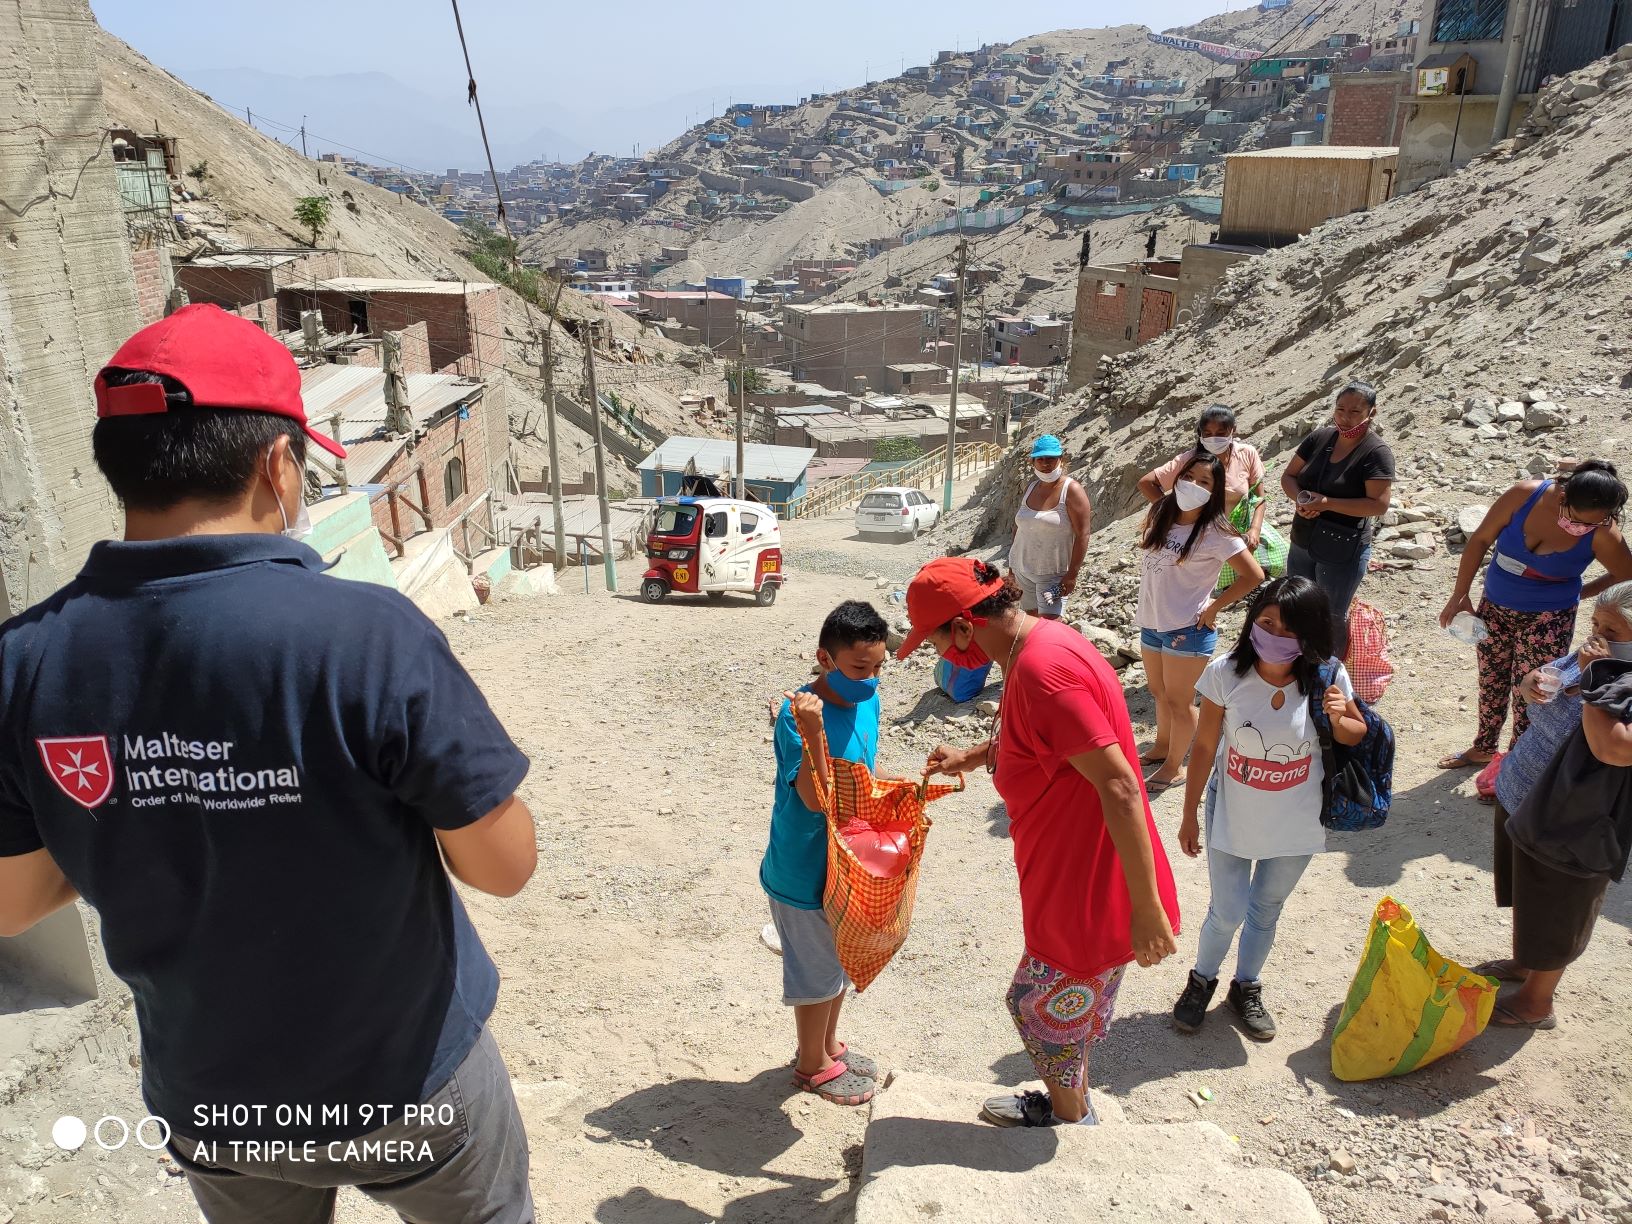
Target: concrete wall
761,184
67,292
1431,123
1202,267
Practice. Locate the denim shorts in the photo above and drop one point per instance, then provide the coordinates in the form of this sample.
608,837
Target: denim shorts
1191,641
811,972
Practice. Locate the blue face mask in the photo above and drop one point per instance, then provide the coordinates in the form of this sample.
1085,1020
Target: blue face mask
853,691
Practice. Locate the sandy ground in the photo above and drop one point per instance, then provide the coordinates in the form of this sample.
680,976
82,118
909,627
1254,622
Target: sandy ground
640,1013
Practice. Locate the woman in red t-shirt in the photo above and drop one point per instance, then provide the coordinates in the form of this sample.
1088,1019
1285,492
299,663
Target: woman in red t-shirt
1095,888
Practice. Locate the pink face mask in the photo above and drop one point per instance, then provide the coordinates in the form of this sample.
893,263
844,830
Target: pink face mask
1574,528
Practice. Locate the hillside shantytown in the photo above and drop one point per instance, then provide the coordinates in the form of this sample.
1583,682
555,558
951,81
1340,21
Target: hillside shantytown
1145,352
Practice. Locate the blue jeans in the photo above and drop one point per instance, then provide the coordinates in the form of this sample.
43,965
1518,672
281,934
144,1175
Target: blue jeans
1247,891
1340,582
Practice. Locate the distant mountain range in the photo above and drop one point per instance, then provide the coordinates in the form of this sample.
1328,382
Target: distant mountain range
394,122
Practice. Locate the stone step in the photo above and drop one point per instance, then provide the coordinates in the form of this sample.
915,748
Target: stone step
928,1155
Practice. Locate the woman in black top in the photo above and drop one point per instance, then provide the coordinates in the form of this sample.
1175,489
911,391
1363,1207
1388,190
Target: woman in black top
1341,478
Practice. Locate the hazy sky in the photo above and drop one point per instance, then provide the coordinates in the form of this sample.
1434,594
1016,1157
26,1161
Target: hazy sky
612,70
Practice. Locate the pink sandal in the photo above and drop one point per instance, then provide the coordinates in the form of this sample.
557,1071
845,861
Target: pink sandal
836,1083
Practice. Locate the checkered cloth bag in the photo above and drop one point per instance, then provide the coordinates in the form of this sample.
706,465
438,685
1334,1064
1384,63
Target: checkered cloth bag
875,841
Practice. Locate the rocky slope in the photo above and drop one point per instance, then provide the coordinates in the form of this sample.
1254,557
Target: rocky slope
1508,282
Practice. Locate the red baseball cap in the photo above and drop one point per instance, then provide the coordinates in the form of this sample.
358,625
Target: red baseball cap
223,361
945,588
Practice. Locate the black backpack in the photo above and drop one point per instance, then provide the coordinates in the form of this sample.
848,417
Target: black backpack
1359,782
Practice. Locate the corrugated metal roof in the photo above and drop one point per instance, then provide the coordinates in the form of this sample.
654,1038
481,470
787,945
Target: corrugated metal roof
357,393
239,259
712,455
1328,152
369,284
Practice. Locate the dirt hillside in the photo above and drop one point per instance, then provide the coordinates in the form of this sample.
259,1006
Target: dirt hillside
250,195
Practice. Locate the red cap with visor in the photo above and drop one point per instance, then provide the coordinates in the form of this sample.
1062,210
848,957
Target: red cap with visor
943,589
223,361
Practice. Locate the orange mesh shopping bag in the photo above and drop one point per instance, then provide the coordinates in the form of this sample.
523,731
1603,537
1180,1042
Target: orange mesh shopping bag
875,840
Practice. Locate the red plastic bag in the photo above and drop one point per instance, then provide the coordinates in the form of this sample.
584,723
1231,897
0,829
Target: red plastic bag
1485,783
1368,665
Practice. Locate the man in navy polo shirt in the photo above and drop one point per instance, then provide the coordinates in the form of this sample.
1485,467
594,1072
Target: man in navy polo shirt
261,777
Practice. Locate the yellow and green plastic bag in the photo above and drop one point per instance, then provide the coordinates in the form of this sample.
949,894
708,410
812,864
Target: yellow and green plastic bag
1407,1005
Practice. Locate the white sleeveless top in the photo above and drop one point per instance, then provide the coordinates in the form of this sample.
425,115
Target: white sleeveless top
1042,538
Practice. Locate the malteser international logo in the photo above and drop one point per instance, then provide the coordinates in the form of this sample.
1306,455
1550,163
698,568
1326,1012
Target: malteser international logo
81,766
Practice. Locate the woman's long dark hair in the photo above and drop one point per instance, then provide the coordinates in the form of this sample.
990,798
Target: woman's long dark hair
1594,485
1161,517
1307,612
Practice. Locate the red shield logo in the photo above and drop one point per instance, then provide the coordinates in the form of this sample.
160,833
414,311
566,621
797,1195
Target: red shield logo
81,766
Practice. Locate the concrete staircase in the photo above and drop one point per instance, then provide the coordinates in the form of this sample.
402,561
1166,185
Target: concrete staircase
430,573
929,1156
343,532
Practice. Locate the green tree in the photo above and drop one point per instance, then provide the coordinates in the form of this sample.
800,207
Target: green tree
752,375
198,172
312,212
895,450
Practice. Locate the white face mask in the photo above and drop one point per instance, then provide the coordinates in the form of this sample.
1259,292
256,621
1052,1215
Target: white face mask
1216,446
1050,477
302,526
1190,495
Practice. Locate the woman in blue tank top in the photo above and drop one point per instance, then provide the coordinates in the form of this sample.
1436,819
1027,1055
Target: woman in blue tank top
1541,536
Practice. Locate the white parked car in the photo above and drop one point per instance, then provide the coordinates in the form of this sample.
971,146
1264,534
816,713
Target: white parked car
896,511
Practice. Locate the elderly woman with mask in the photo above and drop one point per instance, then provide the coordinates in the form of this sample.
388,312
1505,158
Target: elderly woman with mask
1564,810
1050,532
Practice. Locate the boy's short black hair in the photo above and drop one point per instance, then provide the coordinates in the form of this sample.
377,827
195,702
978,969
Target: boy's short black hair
155,461
852,623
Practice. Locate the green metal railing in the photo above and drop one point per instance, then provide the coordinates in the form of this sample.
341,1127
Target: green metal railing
926,472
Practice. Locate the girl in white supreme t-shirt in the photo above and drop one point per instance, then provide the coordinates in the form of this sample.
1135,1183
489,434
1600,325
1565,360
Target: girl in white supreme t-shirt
1258,745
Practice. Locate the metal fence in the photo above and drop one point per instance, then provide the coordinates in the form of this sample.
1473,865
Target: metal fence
1565,35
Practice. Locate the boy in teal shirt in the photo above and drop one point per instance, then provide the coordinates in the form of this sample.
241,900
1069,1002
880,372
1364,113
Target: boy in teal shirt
843,703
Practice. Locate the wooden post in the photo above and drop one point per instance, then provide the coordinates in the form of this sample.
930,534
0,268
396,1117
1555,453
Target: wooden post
600,459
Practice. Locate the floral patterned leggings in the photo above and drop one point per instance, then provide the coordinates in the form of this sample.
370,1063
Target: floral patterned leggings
1519,642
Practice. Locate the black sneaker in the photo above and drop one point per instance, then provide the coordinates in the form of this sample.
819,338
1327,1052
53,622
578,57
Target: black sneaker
1191,1009
1247,998
1019,1109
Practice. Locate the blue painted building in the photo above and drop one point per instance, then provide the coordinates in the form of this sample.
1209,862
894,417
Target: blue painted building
732,286
774,473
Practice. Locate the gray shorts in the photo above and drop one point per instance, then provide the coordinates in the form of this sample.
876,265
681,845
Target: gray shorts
1041,595
477,1170
811,972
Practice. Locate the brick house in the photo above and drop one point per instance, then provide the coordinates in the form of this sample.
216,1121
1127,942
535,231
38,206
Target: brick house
713,316
1367,108
1118,309
836,343
442,470
1035,341
247,282
464,330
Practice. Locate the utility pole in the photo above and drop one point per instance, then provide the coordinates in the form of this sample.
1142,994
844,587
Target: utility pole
546,370
303,152
957,371
742,405
1510,73
590,328
547,361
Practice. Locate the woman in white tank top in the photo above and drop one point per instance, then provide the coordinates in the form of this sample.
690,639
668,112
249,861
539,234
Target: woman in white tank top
1051,530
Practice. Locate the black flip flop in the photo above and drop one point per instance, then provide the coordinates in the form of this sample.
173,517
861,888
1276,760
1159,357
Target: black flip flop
1508,1018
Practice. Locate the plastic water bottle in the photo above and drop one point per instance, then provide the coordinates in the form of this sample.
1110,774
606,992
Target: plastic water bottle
1467,628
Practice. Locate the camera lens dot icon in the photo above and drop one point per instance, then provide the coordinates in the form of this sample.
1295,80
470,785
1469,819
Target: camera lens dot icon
68,1133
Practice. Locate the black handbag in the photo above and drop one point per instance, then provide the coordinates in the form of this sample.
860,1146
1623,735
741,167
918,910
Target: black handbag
1333,543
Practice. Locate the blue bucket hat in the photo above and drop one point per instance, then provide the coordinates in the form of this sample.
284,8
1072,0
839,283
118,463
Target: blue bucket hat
1047,447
